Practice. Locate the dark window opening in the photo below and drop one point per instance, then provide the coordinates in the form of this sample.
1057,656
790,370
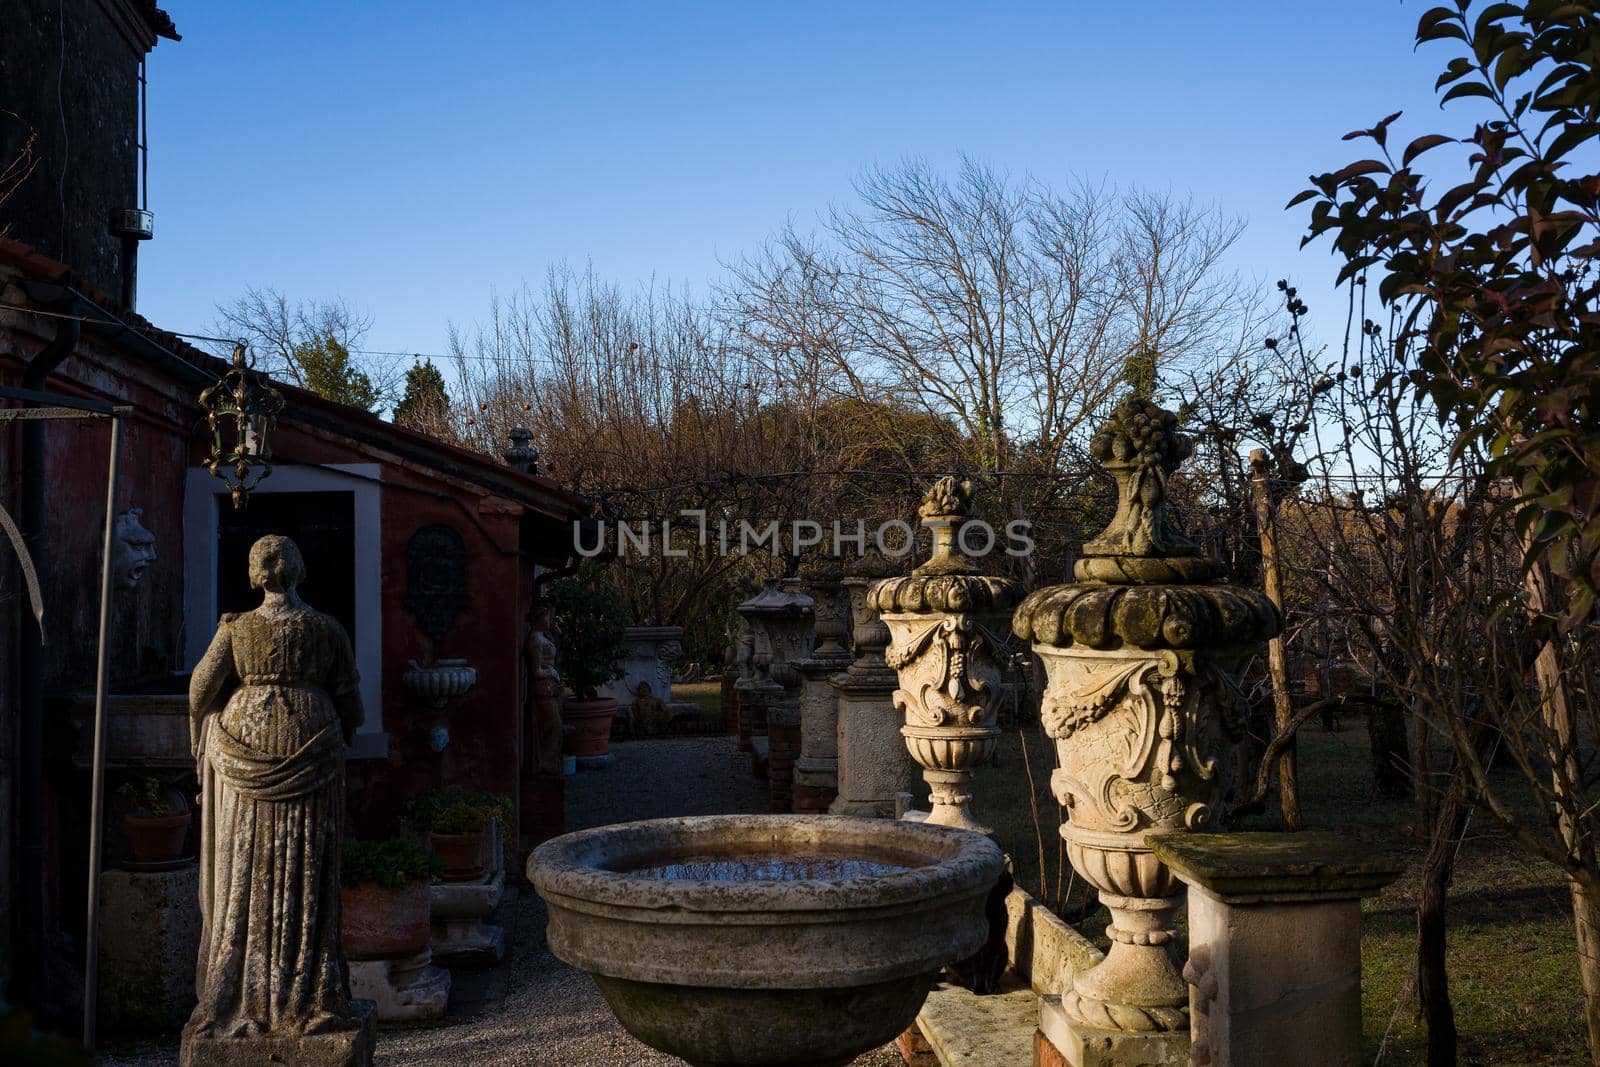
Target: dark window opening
322,524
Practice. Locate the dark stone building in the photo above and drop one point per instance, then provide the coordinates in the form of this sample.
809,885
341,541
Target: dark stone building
71,102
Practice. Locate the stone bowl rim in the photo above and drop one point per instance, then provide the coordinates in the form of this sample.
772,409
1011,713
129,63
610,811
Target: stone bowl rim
970,861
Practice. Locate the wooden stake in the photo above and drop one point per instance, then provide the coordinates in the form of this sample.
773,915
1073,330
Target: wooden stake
1277,663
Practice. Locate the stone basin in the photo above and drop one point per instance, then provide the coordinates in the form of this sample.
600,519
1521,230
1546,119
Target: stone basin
765,939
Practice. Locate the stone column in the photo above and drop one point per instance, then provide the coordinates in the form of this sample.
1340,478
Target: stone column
744,657
948,625
1275,943
755,689
789,630
1140,656
872,762
816,772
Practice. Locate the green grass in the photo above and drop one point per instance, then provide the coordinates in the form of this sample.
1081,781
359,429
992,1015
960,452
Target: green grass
707,694
1512,958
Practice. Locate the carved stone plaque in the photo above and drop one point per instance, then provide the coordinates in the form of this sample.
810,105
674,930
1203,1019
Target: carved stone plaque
436,577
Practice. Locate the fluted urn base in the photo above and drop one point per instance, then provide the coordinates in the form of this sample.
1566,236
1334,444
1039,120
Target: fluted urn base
949,757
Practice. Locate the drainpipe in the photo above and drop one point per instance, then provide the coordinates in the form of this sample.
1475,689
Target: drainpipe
30,931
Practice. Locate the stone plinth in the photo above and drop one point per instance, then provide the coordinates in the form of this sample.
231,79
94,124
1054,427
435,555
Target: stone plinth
816,771
1275,943
651,653
404,990
149,936
872,763
344,1048
461,937
1067,1041
544,808
783,741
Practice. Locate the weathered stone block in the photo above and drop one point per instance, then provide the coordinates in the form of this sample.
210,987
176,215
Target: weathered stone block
346,1048
149,938
1088,1046
405,990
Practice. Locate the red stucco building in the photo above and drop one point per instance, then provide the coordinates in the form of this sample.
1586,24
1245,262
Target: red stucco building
425,552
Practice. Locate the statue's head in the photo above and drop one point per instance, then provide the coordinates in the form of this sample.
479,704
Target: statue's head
133,549
276,564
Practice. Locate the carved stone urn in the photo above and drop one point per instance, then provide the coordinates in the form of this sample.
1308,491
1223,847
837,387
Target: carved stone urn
1140,655
947,626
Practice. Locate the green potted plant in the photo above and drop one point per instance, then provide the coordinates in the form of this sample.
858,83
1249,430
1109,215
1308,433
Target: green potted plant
455,821
593,621
157,820
384,891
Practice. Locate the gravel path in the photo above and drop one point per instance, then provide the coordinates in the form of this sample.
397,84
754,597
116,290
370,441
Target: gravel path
534,1009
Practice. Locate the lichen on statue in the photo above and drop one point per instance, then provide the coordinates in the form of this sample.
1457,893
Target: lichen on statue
273,703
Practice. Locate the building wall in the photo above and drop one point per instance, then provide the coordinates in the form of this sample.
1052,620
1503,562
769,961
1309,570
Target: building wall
70,76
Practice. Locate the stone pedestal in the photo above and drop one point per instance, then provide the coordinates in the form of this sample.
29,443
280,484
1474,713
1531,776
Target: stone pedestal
461,937
783,748
345,1048
651,652
149,937
1068,1042
816,770
872,762
544,808
1275,943
403,990
873,767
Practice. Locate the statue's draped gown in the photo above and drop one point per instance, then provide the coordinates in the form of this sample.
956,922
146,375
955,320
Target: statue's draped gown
271,764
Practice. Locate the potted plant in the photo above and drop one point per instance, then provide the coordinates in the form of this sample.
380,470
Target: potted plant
384,891
593,620
157,821
455,821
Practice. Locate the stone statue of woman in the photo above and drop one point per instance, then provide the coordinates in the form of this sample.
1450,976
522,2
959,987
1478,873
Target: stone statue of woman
272,705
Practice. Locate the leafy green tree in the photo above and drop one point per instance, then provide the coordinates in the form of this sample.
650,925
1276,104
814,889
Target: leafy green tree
1492,276
328,371
425,405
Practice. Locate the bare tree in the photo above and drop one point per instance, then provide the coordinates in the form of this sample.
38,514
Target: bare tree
1004,311
313,344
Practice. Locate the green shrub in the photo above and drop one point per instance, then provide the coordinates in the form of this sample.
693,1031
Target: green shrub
425,810
393,864
593,620
460,818
150,798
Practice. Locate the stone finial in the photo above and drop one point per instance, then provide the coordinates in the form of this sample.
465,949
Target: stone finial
520,454
1141,446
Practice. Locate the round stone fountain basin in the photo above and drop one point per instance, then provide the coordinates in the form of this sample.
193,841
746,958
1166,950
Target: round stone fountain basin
766,939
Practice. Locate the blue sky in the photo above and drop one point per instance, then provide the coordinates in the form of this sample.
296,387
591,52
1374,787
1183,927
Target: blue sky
410,157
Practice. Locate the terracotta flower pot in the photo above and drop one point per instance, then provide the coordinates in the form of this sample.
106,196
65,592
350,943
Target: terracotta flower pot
385,923
157,840
461,854
591,724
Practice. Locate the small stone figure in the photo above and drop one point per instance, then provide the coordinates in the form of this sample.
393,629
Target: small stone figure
542,752
648,715
273,703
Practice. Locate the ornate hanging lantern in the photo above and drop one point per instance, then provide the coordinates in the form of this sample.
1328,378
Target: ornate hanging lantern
242,409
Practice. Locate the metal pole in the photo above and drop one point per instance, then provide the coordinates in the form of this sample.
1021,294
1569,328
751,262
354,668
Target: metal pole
91,955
